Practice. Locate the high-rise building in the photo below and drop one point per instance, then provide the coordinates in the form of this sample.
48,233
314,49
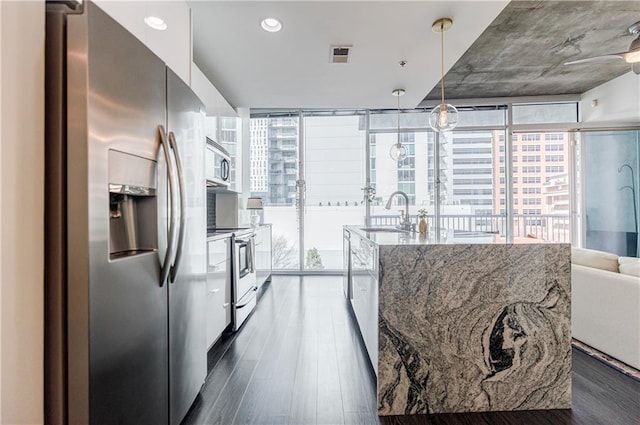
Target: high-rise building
470,169
539,160
274,159
258,157
409,175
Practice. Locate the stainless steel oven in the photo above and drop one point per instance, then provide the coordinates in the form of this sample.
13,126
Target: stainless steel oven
244,270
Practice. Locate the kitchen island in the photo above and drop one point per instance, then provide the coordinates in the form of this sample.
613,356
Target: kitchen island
467,324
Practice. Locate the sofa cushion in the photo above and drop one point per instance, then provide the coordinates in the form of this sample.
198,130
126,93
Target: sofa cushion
630,266
622,260
596,259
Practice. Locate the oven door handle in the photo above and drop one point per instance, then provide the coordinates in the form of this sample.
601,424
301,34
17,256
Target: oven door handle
252,255
253,289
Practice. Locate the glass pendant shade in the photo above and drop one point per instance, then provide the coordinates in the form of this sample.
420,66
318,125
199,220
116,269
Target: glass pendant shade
398,152
443,117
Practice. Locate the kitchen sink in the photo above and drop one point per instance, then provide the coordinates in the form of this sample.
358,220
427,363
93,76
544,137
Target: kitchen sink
383,229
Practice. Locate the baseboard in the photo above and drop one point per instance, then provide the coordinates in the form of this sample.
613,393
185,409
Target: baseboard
607,359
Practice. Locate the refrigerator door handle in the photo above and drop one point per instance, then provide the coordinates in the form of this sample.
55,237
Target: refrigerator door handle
166,263
181,185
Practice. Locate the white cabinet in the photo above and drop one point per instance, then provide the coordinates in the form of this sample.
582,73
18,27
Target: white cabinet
218,287
129,14
215,104
173,45
263,254
364,285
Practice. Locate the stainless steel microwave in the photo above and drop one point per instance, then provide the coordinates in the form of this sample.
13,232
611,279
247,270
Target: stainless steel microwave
218,165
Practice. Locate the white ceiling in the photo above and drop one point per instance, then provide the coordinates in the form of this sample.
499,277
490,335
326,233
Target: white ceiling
291,68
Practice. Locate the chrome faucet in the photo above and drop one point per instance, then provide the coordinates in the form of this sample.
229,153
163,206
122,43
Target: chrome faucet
405,222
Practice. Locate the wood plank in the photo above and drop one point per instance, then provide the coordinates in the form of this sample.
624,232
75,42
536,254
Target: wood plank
267,400
304,403
329,391
226,406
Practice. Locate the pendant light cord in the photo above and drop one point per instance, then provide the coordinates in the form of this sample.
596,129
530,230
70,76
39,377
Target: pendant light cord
398,96
442,59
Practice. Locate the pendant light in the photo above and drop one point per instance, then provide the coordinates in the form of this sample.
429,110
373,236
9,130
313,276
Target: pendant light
443,117
398,152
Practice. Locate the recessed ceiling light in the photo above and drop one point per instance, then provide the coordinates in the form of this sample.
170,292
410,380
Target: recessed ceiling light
155,23
271,25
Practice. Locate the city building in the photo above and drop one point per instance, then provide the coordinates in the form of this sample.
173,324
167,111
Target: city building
471,170
274,157
258,157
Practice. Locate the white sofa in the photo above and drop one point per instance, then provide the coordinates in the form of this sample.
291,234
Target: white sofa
605,304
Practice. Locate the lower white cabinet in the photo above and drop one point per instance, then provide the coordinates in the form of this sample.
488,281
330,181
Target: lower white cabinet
218,287
263,254
364,284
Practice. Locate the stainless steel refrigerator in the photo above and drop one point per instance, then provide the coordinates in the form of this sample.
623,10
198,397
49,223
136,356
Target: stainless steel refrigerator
125,262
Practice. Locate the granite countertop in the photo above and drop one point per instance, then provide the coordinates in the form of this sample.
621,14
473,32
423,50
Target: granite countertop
448,237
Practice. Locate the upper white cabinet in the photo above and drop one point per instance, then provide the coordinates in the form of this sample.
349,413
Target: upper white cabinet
172,45
215,104
129,14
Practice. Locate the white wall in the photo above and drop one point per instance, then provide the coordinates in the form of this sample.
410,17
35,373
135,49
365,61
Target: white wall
244,215
618,100
21,211
0,215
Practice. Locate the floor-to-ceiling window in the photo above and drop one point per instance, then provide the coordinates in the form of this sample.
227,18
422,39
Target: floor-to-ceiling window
454,176
310,170
511,171
412,175
334,175
541,185
472,188
544,171
274,163
611,161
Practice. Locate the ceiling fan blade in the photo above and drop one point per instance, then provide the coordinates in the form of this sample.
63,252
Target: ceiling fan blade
597,59
632,56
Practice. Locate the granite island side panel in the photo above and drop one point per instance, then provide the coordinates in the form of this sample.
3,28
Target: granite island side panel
474,327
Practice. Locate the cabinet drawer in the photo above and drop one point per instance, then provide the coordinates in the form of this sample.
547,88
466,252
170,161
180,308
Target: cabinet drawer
218,251
259,238
216,314
220,268
217,276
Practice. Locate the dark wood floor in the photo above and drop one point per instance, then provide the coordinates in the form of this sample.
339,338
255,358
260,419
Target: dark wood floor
299,360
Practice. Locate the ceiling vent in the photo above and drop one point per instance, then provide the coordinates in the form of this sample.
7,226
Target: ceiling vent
340,54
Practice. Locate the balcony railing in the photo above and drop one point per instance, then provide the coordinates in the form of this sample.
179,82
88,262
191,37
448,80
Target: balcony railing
548,227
